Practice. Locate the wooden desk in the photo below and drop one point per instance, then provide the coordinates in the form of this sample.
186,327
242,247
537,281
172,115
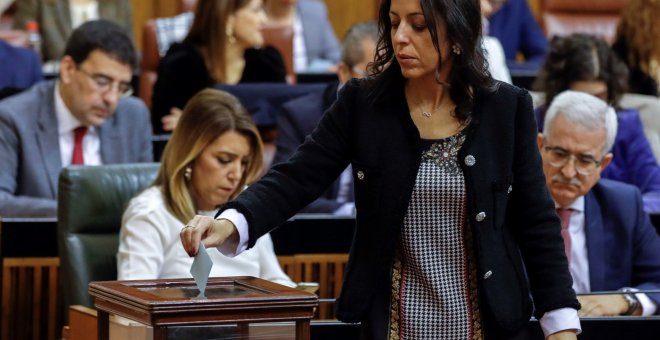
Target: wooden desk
166,303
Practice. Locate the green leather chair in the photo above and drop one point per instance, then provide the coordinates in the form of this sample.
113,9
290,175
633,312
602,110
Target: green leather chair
91,201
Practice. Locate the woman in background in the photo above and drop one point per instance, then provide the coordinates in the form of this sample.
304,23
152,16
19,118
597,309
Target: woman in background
215,151
219,49
636,43
585,63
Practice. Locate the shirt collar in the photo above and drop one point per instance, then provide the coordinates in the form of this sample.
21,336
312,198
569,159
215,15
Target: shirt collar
66,121
577,205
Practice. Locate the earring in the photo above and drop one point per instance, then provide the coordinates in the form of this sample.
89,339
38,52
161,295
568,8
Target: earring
187,173
230,36
456,49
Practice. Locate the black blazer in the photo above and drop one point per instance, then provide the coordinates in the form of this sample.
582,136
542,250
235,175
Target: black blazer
504,182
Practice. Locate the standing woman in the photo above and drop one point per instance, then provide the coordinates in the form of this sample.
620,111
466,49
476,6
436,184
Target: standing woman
220,48
455,226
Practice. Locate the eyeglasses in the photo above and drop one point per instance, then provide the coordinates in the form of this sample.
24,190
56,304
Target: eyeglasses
584,164
103,83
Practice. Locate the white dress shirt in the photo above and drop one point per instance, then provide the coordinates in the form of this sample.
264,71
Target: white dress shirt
579,261
150,247
299,49
66,123
496,59
83,12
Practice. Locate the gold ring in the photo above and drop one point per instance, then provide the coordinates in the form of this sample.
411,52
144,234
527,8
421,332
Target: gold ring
186,227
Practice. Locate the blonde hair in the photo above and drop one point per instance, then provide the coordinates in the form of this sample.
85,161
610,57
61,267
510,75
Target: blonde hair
209,32
207,116
638,27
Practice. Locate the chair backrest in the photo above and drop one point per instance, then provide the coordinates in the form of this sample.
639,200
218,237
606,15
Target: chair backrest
325,269
149,63
91,201
564,17
281,38
187,5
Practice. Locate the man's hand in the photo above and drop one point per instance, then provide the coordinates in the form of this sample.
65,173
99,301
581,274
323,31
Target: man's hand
602,305
209,231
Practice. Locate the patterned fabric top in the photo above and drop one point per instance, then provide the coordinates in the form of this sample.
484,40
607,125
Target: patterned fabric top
434,291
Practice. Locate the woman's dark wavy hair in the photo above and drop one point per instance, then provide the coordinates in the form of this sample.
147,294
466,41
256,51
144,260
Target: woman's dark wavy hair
469,74
581,57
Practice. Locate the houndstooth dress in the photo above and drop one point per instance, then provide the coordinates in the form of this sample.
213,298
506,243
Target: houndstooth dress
434,288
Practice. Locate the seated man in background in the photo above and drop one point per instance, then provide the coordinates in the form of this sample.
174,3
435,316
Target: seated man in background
315,46
513,23
609,240
20,68
301,115
85,117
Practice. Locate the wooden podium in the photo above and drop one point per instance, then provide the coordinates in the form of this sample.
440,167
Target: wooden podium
229,300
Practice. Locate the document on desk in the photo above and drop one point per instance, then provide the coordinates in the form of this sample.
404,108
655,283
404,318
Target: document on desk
200,269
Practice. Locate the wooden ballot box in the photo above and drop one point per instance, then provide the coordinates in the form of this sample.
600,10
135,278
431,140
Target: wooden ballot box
175,302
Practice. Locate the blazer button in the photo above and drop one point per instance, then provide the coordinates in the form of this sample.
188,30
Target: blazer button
488,274
481,216
360,175
470,160
508,191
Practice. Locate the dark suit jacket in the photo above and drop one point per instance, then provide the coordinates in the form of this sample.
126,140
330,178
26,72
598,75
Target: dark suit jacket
622,245
30,148
296,120
516,28
383,145
54,18
20,68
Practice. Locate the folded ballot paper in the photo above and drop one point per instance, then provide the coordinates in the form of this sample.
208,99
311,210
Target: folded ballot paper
200,269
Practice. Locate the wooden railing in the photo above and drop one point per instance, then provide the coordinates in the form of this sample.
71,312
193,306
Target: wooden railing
30,298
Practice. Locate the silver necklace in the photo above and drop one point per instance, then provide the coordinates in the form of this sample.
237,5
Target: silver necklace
428,114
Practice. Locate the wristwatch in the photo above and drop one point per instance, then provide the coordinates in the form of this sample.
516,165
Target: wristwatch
631,298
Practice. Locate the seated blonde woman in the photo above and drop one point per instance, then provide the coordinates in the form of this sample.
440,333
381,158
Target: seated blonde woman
214,151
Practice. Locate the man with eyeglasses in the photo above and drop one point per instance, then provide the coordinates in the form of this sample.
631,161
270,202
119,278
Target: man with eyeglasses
300,116
609,240
85,117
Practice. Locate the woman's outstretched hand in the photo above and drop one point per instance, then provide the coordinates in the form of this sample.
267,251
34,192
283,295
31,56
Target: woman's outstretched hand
209,231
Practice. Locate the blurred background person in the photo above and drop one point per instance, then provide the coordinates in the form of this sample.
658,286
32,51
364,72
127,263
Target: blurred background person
585,63
637,43
214,152
20,68
219,49
58,18
494,51
513,23
315,46
300,116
